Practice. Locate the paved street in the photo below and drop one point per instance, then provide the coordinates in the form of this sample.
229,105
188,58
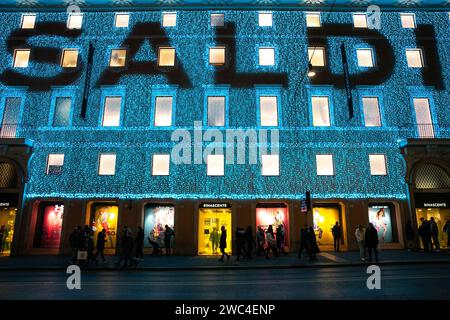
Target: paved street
424,281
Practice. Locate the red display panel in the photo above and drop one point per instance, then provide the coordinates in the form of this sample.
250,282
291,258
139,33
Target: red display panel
274,216
52,226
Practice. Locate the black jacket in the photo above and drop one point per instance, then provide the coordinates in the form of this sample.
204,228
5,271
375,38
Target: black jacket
371,239
101,239
223,239
312,243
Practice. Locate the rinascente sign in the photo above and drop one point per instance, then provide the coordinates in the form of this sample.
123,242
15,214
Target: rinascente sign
432,200
8,200
215,205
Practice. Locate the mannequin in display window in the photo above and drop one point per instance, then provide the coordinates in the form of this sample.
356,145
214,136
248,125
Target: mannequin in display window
214,238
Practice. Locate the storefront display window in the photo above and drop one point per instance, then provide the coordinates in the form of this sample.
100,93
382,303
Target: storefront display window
274,215
381,218
156,217
105,217
441,216
49,226
324,218
210,223
7,219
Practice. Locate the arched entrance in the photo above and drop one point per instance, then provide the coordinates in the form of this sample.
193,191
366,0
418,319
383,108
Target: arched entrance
431,183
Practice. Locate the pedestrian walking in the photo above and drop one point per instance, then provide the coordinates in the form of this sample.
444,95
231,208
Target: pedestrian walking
312,244
360,234
250,241
280,239
271,243
239,236
168,235
223,243
74,245
371,242
90,246
434,231
303,241
425,234
446,229
140,243
260,241
337,234
2,235
410,236
101,240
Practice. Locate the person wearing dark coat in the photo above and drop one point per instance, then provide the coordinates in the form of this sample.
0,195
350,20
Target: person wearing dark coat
371,241
446,229
250,241
425,234
240,242
337,235
127,247
223,243
434,233
90,246
140,243
303,241
312,244
74,238
260,241
168,234
280,234
410,236
101,239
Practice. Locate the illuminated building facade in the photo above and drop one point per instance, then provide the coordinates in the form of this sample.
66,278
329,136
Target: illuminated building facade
92,103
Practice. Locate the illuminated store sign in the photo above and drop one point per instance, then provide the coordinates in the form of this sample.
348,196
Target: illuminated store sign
215,205
226,36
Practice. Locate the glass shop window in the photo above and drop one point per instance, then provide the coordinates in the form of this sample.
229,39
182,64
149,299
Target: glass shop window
55,164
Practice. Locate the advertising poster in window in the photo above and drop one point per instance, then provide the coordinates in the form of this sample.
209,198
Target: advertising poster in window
274,216
380,217
324,218
105,217
156,217
52,226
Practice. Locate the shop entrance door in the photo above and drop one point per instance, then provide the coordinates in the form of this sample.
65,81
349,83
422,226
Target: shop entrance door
209,230
7,220
324,218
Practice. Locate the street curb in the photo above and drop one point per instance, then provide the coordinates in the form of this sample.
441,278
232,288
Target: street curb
234,267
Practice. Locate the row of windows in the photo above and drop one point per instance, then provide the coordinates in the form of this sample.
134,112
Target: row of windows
217,57
270,164
265,19
216,112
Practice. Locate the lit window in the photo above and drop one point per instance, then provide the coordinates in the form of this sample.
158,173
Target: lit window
408,20
166,57
74,21
169,19
317,56
217,20
118,58
424,121
320,111
11,117
360,20
216,111
371,112
111,112
217,56
63,106
163,111
160,164
28,21
265,19
365,57
21,58
122,20
313,19
55,163
269,111
414,58
215,165
324,164
266,56
107,165
69,58
270,165
377,164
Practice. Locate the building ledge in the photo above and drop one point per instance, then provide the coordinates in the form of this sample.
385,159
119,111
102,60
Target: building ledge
16,142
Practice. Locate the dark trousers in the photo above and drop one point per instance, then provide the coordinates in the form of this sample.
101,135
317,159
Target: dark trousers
139,251
369,249
303,246
260,249
337,243
100,252
273,249
222,250
249,250
238,251
426,243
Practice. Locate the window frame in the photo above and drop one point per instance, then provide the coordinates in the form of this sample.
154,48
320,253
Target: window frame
315,14
47,167
407,14
15,57
222,167
216,14
122,14
359,14
385,164
372,56
324,55
265,91
99,163
70,15
262,165
22,20
265,13
333,165
272,48
68,92
111,50
422,58
164,13
161,48
163,91
63,51
153,165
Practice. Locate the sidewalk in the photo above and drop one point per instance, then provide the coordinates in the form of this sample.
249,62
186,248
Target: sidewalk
172,263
